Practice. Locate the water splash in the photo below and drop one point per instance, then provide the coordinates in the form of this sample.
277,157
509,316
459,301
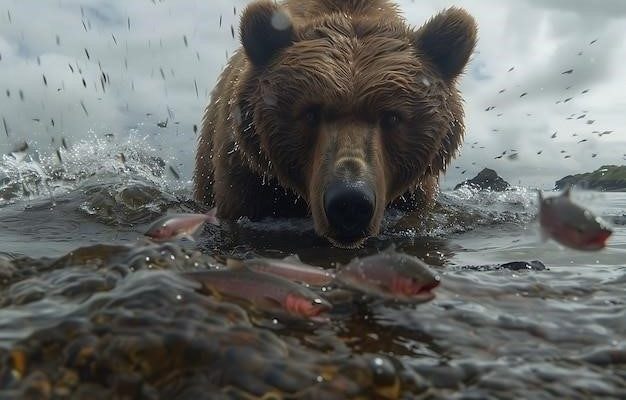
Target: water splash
50,174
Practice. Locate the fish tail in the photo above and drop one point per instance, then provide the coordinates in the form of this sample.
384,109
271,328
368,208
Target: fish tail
540,194
212,216
189,237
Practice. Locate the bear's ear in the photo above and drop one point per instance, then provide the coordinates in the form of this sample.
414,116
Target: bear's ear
266,28
448,40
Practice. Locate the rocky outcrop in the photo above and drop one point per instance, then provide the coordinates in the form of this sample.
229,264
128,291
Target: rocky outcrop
487,179
608,178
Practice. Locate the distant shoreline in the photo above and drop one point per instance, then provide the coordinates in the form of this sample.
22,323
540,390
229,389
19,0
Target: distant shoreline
608,178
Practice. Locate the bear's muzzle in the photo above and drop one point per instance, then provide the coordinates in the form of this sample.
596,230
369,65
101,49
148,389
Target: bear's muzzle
349,208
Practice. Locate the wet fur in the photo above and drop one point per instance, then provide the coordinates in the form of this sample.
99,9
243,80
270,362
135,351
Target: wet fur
356,58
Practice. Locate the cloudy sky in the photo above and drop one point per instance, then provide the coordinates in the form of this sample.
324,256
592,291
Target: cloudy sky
162,57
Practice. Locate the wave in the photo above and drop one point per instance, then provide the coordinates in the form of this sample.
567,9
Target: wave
32,175
109,173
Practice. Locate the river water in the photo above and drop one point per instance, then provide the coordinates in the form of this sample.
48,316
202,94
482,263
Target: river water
91,310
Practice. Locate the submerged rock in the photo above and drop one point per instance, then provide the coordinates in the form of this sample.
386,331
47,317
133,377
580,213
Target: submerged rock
534,265
487,179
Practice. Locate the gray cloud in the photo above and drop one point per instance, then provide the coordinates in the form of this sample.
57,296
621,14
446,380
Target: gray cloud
586,10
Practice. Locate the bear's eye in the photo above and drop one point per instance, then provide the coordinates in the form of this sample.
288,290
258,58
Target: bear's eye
312,116
390,120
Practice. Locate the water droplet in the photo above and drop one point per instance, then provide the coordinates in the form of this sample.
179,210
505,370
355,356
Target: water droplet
280,21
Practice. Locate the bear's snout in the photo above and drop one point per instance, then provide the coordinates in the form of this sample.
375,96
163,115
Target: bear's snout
349,208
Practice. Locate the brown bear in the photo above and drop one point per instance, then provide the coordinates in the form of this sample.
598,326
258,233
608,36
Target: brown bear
335,108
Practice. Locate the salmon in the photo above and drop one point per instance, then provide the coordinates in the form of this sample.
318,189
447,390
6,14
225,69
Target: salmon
391,275
175,226
571,225
289,268
267,292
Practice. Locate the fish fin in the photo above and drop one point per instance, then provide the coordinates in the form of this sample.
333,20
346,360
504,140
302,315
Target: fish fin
209,289
212,216
567,191
215,293
293,258
234,263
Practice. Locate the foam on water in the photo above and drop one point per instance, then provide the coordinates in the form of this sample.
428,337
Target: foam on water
42,174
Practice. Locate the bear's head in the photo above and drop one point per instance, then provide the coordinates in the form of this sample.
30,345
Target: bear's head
353,111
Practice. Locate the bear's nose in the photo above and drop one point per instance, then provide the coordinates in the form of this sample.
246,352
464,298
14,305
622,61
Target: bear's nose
349,207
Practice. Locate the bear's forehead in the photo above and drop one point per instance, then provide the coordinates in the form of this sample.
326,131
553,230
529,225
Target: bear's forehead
349,24
358,63
337,28
342,41
351,58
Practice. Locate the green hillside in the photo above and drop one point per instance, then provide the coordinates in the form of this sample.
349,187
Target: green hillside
609,178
